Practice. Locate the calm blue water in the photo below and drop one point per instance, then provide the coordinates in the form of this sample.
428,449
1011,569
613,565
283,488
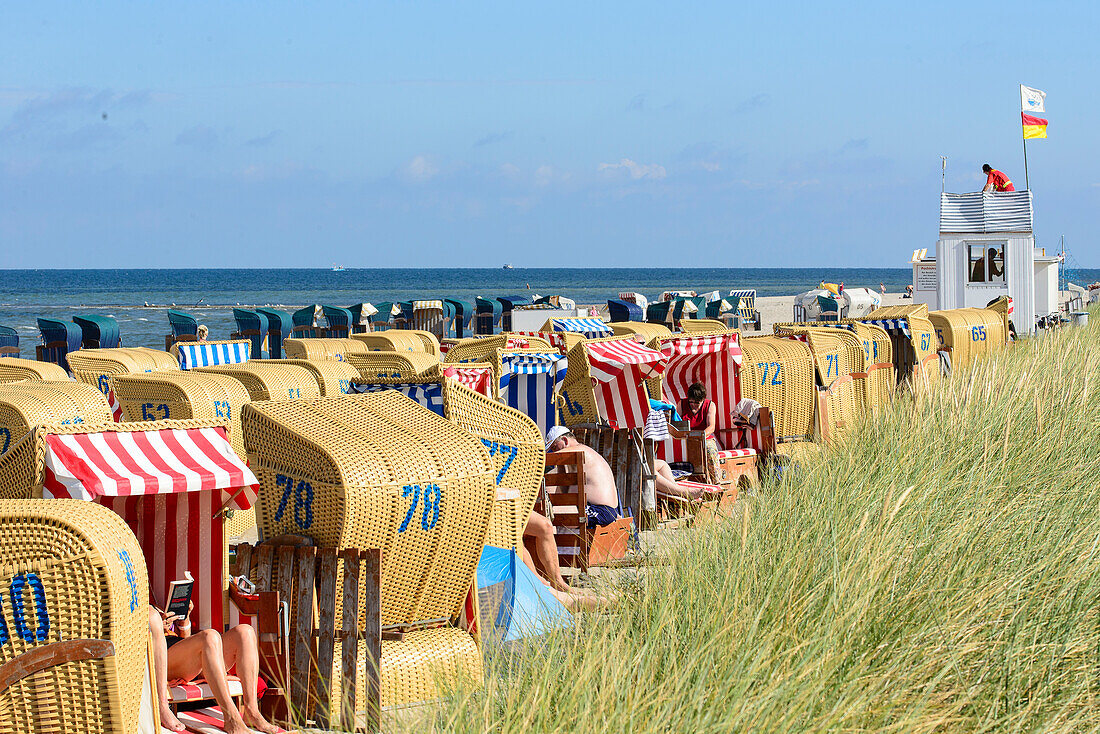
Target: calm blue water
210,294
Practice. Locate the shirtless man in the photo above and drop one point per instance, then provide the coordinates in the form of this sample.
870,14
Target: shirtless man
599,481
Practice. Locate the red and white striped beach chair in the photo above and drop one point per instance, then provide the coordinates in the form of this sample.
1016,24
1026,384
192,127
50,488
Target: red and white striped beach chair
171,481
715,361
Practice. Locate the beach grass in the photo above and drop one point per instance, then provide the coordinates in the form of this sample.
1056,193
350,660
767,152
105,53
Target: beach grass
938,569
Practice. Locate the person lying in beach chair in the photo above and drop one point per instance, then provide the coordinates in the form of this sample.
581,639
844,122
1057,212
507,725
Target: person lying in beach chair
179,655
657,428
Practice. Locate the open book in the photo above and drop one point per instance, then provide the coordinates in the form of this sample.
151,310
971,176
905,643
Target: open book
179,596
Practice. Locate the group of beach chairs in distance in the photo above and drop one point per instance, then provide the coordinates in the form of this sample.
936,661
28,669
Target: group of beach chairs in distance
357,478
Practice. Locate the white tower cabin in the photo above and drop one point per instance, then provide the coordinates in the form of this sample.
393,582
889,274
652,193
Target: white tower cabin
986,250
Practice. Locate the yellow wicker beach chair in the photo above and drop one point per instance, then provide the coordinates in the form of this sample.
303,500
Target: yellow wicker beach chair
430,341
968,333
779,373
839,363
333,377
394,367
74,655
703,326
27,404
642,332
317,349
379,471
95,366
913,344
396,340
266,381
14,369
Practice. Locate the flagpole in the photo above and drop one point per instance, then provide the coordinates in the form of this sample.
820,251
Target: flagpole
1026,183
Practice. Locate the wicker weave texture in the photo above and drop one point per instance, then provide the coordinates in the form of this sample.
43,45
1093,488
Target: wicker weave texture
26,404
183,395
703,326
388,368
516,448
321,349
14,369
95,366
265,381
93,586
968,333
429,340
779,373
396,340
878,364
642,331
378,471
486,349
838,355
412,669
333,377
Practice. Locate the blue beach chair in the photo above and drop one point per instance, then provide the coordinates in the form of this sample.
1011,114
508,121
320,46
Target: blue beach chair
464,317
624,310
340,321
280,325
383,320
489,311
251,325
360,324
9,342
305,322
98,332
58,339
184,328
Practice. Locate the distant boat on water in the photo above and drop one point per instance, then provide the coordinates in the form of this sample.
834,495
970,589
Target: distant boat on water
508,266
337,268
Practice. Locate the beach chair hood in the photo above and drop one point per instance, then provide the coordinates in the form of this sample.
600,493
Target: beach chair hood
590,328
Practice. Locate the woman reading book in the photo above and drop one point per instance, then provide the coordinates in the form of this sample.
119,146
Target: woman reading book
182,655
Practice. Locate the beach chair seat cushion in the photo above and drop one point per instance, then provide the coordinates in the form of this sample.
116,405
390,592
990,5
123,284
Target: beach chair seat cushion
735,453
199,690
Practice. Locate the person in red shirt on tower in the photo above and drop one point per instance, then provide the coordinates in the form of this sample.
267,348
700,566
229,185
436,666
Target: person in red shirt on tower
995,180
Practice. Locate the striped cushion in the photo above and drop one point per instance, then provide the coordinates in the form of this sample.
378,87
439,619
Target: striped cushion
202,354
199,689
735,453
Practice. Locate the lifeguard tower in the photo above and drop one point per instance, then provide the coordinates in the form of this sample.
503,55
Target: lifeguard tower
986,250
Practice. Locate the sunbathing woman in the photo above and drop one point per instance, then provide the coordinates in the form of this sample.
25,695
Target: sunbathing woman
180,655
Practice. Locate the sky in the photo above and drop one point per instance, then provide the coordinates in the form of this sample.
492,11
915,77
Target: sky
634,134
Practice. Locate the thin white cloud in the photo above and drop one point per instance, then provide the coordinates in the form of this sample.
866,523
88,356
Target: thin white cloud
419,170
637,171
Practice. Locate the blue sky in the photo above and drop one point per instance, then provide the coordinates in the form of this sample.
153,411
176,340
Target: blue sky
472,134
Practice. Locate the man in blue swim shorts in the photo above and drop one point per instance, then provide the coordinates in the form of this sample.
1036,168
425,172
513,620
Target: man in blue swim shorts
599,483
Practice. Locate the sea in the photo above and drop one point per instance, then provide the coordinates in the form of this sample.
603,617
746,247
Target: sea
138,298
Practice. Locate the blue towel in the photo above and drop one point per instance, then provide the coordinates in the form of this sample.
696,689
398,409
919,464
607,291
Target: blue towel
661,405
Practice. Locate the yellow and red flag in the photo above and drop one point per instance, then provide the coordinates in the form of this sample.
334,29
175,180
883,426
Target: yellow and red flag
1034,127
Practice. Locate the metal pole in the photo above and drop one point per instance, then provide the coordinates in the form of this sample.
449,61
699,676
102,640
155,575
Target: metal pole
943,173
1027,185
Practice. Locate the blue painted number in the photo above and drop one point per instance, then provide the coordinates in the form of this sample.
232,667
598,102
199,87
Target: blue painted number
924,339
574,408
149,412
429,515
303,500
104,385
294,392
831,367
222,409
42,617
977,333
5,439
509,453
131,578
775,373
345,386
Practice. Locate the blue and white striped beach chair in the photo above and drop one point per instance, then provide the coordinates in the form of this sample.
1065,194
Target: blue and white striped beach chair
211,354
429,395
589,327
530,381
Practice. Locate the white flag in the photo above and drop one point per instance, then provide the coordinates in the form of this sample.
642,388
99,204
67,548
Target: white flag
1032,100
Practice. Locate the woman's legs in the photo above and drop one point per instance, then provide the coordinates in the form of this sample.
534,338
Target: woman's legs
201,654
168,720
241,647
668,486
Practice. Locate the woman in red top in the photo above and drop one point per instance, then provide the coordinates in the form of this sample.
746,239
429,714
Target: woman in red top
701,414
